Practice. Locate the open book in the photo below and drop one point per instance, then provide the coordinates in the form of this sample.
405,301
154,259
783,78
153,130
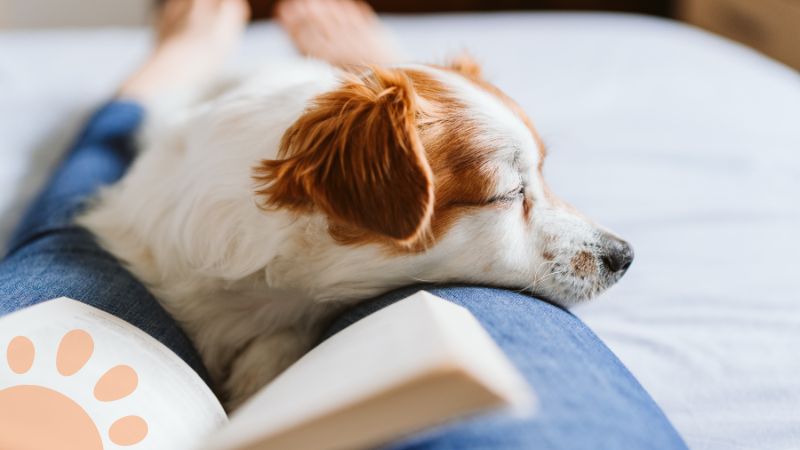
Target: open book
72,376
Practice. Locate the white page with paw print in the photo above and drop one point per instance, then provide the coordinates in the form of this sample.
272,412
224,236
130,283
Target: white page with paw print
72,376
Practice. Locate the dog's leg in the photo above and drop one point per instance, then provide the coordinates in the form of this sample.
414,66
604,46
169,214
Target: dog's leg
261,361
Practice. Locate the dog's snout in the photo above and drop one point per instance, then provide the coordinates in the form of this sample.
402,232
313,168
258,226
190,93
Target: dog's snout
617,254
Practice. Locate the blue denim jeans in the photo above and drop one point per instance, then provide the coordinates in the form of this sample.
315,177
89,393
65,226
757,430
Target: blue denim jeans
588,399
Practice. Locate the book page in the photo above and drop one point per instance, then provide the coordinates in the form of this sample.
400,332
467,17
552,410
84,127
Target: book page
72,376
414,364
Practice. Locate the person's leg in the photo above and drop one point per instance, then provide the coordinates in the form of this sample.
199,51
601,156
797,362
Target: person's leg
342,32
49,256
587,398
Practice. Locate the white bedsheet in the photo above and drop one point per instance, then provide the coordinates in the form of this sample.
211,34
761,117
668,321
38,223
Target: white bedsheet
685,144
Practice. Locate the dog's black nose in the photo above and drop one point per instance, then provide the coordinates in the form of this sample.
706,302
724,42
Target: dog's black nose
617,255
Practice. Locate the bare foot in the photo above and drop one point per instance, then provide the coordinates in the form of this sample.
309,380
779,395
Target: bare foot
341,32
194,37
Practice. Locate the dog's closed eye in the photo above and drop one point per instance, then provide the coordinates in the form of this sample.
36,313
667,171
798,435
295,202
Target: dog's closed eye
510,196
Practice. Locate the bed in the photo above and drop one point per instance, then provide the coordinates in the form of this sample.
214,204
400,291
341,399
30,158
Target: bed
686,144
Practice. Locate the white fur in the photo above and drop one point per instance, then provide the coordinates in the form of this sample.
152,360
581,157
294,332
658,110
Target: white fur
251,287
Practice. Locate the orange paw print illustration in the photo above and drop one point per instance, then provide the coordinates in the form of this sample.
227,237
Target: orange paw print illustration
34,417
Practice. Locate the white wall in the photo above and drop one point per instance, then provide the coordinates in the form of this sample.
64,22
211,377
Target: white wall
72,13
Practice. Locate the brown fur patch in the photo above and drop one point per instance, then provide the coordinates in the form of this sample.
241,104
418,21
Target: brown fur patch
583,263
466,65
356,155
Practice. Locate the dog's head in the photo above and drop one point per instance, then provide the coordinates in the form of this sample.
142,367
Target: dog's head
434,163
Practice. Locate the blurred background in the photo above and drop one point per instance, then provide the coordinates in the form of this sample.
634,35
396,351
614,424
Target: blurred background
770,26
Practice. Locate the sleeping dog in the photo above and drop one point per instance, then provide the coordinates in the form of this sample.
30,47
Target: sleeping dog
297,192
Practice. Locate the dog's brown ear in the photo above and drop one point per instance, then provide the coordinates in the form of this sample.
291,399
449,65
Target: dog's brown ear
356,156
466,65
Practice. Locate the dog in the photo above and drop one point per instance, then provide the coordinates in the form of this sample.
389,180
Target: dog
294,193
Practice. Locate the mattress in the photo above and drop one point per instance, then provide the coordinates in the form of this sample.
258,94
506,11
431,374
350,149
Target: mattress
685,144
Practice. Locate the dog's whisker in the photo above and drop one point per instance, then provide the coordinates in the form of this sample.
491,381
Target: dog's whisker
537,278
550,275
